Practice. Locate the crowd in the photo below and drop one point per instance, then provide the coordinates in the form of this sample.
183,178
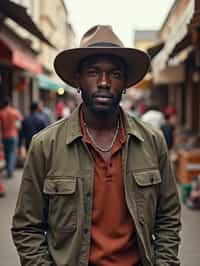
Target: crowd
151,113
176,141
16,130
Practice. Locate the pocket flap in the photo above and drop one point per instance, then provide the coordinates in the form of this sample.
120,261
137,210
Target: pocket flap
60,187
147,178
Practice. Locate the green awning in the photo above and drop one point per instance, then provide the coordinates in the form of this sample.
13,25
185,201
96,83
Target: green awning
44,82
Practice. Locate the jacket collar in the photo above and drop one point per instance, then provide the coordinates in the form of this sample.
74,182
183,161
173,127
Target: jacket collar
132,127
74,129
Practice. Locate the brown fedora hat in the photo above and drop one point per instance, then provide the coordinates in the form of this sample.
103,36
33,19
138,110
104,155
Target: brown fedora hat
99,40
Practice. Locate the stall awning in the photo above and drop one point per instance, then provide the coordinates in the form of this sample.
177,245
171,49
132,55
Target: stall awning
18,57
46,83
19,14
26,62
170,75
154,50
178,33
183,44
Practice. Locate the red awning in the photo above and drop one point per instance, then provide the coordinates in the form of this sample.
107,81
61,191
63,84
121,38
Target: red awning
26,62
18,57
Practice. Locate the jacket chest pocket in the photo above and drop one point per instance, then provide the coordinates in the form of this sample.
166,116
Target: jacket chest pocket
146,194
62,195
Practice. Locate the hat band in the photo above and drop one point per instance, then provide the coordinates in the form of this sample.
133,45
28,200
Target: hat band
104,44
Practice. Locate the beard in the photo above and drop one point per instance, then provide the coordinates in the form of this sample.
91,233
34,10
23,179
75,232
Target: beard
101,109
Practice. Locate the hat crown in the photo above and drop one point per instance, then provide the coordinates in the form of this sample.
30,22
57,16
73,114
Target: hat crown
100,35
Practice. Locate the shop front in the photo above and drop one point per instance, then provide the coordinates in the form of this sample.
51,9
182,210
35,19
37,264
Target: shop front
177,66
18,70
51,90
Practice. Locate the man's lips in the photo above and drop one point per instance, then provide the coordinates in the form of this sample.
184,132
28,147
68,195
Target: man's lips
102,98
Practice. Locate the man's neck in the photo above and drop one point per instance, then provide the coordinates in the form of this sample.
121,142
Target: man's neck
100,122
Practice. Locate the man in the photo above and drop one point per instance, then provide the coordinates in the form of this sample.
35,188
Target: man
10,122
98,188
32,124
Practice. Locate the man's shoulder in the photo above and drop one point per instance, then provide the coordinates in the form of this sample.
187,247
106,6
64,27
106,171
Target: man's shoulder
151,137
52,130
144,128
12,111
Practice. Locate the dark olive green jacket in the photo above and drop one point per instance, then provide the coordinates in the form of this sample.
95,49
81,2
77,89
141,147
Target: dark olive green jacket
52,220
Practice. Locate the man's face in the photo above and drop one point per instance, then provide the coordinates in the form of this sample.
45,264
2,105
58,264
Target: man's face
101,80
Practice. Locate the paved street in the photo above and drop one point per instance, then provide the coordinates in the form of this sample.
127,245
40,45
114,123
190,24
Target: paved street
189,252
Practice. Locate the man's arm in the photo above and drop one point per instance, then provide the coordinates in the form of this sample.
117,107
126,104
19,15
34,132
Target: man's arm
30,218
167,225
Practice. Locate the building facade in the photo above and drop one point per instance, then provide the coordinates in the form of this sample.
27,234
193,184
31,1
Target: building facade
176,67
29,40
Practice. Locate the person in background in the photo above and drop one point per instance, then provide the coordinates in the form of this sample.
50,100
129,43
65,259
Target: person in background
2,188
45,112
60,109
153,116
98,187
170,110
141,107
10,123
168,131
32,124
70,105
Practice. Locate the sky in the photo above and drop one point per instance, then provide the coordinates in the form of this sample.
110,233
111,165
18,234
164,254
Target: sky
124,16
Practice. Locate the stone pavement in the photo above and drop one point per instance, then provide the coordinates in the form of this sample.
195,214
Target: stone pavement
189,251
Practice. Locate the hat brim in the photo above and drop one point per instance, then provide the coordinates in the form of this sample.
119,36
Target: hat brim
67,61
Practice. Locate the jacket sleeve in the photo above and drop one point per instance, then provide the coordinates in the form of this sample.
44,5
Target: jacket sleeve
167,226
30,218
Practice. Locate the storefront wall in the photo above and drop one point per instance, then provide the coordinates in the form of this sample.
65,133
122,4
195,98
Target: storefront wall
184,92
5,81
18,70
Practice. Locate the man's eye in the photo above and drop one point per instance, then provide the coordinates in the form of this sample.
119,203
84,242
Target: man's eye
92,72
116,74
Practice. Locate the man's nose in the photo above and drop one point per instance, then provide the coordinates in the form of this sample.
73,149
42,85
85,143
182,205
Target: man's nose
104,81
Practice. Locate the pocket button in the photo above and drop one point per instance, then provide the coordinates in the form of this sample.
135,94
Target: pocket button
151,179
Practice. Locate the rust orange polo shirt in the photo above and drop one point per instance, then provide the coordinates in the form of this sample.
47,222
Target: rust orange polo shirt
113,237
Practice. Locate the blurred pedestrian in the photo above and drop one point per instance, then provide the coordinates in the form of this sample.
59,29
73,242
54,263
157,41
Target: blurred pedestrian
2,189
170,110
10,123
60,109
32,124
154,116
45,112
168,131
98,188
70,105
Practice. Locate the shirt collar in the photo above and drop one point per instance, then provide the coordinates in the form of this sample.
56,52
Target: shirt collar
73,128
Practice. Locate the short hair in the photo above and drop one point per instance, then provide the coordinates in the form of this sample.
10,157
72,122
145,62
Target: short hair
6,101
34,106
